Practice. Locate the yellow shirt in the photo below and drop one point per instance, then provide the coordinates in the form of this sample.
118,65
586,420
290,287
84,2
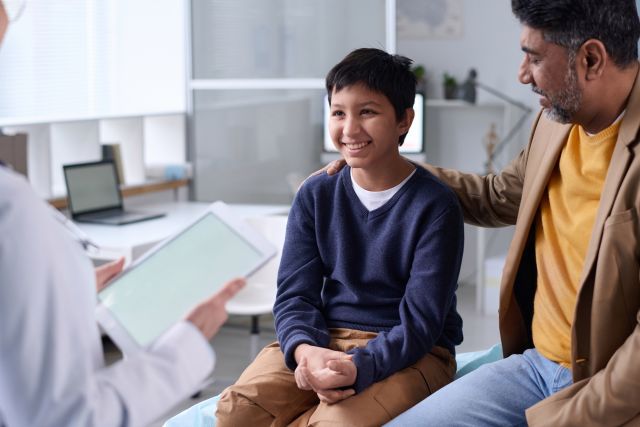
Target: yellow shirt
563,230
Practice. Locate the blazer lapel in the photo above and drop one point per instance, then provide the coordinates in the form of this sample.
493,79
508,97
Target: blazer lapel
543,168
620,161
550,138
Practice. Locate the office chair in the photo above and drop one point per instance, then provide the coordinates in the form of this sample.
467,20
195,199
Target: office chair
259,295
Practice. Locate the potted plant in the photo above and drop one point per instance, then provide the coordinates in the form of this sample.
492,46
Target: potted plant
420,72
450,86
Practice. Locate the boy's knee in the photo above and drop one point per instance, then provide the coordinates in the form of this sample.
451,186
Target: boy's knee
235,409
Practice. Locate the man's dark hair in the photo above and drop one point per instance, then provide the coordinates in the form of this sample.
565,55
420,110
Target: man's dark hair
379,71
569,23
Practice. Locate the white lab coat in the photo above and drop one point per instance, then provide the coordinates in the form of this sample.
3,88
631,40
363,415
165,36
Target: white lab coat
52,369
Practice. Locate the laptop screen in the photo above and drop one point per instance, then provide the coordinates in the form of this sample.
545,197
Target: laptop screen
92,187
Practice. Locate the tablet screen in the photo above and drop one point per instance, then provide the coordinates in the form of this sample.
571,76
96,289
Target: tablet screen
154,294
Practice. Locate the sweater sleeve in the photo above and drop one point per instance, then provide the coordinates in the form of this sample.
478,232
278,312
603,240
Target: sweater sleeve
425,307
298,308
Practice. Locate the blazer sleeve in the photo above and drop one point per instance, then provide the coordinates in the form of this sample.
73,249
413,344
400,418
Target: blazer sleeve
609,398
491,200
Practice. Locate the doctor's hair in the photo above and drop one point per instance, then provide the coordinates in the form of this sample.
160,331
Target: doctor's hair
379,71
570,23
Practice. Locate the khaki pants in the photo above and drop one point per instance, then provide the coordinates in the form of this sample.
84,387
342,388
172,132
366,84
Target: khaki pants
266,393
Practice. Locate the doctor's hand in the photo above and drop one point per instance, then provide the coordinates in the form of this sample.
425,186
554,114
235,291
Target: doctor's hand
107,271
328,381
210,314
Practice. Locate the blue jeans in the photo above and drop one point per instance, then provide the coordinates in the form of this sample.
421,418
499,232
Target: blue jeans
496,394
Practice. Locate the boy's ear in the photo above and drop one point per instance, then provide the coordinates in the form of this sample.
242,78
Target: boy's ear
405,123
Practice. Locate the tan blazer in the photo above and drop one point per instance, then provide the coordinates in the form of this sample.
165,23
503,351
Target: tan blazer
606,329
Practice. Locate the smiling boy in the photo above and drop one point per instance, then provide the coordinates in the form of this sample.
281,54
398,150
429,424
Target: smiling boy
365,311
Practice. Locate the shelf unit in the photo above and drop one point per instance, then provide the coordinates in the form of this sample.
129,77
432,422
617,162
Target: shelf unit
134,190
145,141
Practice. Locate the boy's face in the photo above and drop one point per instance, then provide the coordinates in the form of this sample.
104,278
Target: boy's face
363,126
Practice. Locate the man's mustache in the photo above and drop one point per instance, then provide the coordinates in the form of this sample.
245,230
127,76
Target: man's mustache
538,91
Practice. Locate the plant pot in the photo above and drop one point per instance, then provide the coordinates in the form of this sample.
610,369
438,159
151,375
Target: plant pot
450,91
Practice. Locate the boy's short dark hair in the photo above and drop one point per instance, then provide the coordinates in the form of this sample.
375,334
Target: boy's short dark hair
569,23
379,71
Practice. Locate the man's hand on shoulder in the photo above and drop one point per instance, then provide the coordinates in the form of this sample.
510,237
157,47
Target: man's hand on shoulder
331,169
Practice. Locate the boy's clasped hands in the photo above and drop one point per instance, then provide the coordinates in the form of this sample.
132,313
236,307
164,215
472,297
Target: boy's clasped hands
325,371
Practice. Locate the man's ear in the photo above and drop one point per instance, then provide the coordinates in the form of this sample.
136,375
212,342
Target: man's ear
594,58
405,123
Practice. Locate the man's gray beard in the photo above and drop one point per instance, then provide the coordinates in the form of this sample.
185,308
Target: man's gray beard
567,102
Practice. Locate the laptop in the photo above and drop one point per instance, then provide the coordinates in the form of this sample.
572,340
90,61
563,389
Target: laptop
93,194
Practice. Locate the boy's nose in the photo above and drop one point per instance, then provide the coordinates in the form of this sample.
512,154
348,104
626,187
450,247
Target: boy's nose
351,127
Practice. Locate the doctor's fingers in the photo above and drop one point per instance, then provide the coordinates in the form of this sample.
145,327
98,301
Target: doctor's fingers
228,291
106,272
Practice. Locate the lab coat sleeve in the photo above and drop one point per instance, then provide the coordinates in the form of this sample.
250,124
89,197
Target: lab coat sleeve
52,370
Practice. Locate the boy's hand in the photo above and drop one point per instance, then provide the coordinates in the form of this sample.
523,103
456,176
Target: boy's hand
314,359
327,381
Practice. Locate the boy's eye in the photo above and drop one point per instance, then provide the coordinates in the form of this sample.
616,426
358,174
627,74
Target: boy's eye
337,113
367,111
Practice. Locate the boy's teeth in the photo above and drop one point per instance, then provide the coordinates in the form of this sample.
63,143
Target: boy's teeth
357,145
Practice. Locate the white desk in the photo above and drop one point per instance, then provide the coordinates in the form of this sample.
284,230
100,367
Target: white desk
132,240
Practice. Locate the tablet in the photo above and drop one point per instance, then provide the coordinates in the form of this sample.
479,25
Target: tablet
161,288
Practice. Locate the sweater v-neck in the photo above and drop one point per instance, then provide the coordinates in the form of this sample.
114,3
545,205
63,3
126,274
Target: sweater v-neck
360,208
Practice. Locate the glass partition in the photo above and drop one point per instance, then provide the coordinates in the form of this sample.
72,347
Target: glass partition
280,38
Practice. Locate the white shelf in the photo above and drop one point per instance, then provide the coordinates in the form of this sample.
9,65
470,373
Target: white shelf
457,103
54,144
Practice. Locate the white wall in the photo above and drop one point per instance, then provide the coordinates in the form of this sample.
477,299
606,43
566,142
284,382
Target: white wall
490,43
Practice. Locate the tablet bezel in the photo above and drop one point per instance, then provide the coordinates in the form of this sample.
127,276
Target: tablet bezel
119,333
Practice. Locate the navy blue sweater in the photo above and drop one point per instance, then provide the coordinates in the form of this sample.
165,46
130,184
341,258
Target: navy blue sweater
393,270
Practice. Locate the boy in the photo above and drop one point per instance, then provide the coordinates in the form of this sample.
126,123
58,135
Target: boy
365,311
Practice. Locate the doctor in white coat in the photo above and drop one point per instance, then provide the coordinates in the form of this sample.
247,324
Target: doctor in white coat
52,369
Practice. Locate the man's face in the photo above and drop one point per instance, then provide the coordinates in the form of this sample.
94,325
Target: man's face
551,71
363,126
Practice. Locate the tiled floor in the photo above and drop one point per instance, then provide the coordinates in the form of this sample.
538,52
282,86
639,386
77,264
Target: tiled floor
232,345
